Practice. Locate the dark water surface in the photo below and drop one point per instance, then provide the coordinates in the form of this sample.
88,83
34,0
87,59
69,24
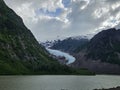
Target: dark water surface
58,82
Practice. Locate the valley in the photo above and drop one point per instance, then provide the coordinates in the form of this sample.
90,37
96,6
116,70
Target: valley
59,44
20,52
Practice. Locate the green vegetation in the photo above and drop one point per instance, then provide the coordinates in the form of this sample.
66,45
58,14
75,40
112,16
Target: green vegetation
20,53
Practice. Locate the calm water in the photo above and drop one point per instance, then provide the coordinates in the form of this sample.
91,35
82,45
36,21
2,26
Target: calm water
58,82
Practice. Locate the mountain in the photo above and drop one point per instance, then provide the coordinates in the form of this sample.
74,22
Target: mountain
48,44
106,46
20,53
102,54
70,44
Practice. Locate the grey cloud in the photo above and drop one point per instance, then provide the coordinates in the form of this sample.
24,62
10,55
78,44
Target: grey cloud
81,21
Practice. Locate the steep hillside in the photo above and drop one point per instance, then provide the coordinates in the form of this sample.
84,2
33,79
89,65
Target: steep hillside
105,46
102,54
20,53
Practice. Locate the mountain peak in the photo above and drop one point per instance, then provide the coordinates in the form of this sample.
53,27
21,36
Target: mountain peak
109,33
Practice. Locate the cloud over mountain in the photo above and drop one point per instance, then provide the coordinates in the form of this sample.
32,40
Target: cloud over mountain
49,19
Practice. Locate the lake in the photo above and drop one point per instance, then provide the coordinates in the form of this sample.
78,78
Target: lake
58,82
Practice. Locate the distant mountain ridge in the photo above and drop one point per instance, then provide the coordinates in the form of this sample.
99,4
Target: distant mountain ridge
70,44
48,44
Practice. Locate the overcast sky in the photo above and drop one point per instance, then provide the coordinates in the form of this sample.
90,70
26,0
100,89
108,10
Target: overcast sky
51,19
